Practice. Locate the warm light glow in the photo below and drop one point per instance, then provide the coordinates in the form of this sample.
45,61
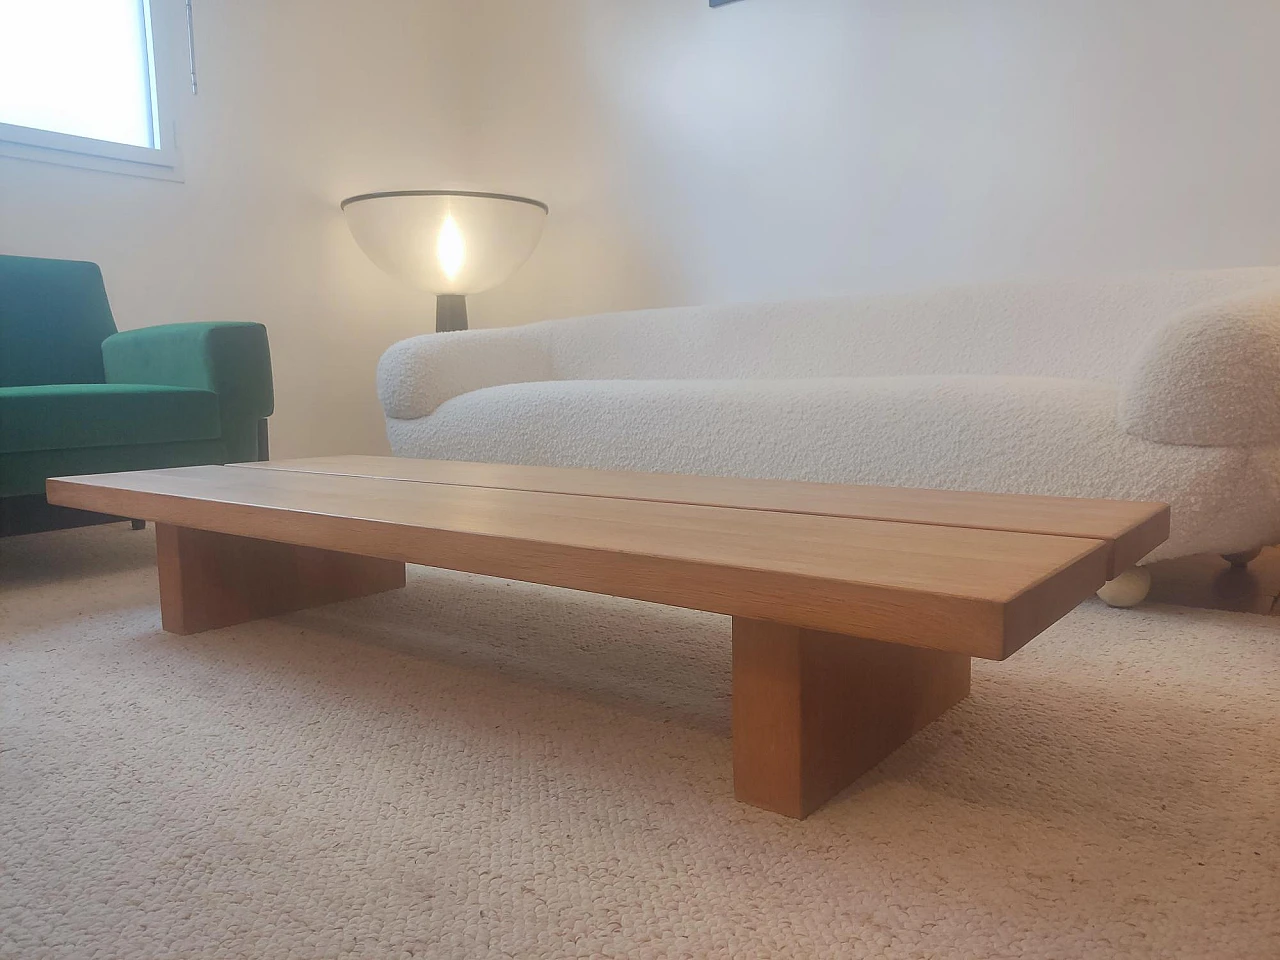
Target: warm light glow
447,243
451,249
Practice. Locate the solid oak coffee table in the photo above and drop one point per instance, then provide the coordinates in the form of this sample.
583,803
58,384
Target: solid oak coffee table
855,610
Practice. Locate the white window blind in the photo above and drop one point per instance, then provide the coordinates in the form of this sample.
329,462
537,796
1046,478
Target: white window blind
79,67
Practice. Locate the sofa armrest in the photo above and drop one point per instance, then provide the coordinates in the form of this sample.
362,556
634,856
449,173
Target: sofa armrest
1210,378
231,359
416,376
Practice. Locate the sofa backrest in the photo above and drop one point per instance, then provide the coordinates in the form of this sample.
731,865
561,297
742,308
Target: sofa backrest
1084,330
54,316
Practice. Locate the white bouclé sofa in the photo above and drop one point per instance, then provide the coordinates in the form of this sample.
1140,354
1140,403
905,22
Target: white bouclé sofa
1161,387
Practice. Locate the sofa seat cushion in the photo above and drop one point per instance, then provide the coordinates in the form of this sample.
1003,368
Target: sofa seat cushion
71,415
999,434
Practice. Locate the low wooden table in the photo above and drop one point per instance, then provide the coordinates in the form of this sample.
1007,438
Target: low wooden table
855,610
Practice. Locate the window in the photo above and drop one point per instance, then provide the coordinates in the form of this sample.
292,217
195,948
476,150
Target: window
78,85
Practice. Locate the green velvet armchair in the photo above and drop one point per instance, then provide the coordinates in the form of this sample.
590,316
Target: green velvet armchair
77,397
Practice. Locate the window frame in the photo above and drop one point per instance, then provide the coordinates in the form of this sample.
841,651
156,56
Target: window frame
163,161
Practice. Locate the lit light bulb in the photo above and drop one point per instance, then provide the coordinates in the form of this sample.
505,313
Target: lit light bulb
451,249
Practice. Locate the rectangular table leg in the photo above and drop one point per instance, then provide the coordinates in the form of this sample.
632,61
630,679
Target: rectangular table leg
210,580
813,711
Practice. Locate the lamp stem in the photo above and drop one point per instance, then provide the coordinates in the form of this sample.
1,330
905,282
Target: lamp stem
451,312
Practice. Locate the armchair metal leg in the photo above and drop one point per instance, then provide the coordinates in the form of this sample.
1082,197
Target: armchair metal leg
264,447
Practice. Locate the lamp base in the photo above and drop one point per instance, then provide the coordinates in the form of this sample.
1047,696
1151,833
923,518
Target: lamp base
451,312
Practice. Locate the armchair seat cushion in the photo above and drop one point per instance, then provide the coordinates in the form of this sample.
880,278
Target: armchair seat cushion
64,416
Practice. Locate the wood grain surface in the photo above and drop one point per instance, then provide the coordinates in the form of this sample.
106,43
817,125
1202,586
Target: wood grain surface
210,580
1133,528
981,592
814,711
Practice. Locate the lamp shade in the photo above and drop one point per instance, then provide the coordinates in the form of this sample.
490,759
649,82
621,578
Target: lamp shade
447,242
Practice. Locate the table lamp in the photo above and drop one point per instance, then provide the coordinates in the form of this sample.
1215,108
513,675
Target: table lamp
450,242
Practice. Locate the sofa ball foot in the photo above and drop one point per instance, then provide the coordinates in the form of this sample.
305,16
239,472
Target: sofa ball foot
1127,590
1243,558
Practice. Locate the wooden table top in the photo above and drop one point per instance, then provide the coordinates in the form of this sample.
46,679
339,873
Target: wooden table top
974,573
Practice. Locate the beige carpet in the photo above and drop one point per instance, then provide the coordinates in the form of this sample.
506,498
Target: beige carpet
476,768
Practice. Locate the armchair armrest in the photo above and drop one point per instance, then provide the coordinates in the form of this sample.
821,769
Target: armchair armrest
416,376
231,359
1210,378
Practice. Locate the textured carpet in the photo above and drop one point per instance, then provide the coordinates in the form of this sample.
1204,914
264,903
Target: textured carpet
478,768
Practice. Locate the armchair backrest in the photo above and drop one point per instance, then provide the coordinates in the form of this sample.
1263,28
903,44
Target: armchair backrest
54,316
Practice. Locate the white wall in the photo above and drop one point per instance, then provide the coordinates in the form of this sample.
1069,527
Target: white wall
301,103
765,149
785,147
